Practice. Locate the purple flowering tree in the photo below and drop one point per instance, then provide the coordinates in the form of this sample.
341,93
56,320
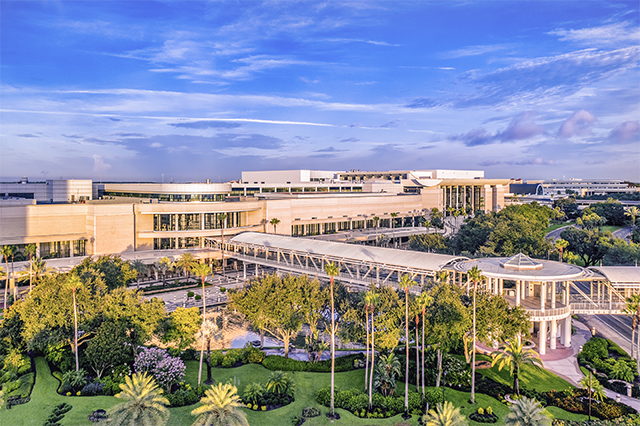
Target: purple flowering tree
165,369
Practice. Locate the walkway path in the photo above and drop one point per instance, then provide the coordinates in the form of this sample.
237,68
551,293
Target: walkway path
568,368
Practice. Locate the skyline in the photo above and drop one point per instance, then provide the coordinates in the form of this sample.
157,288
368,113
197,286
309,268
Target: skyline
196,90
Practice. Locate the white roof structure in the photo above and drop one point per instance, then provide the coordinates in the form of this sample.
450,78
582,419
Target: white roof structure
362,253
619,275
521,267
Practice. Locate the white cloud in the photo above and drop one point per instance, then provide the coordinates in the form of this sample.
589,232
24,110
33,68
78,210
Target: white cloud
474,51
579,124
99,165
606,35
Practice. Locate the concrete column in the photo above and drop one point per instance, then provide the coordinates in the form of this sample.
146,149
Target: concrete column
543,293
523,292
567,331
517,293
244,270
553,295
542,337
554,334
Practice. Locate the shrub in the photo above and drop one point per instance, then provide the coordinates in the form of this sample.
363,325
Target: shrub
324,395
190,294
94,388
263,408
489,410
10,386
481,411
343,363
312,412
165,369
198,297
189,355
433,396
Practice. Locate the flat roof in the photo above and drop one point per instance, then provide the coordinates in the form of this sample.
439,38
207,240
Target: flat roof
387,256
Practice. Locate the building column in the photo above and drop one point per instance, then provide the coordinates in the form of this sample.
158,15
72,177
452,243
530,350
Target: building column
542,337
567,332
244,270
553,295
554,334
517,293
543,293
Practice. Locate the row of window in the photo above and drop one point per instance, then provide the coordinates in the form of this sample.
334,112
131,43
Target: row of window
195,221
176,243
58,249
167,197
333,227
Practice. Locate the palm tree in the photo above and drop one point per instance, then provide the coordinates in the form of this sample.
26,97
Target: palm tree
140,268
222,217
376,220
332,270
143,403
423,300
632,212
202,270
39,269
417,319
597,390
186,262
7,252
393,216
442,276
444,415
561,244
30,251
208,330
405,283
476,276
274,222
386,372
632,308
526,412
219,407
512,354
163,265
374,300
366,299
73,283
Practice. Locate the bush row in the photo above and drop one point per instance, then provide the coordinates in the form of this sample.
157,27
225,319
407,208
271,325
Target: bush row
343,363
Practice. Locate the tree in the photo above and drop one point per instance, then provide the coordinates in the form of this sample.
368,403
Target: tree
222,217
448,320
590,220
251,302
143,403
393,218
105,349
444,415
332,270
475,275
186,262
7,252
73,283
386,372
202,270
140,268
366,299
376,221
209,330
163,265
429,243
560,244
181,327
115,271
30,251
38,269
405,283
374,301
632,212
632,309
423,301
526,412
589,245
274,222
513,355
597,390
219,407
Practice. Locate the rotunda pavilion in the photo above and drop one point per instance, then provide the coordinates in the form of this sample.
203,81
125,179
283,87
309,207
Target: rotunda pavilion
541,287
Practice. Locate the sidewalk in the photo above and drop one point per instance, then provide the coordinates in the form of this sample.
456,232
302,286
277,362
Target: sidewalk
568,368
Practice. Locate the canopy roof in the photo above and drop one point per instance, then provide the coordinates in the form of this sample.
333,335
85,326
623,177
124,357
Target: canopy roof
354,252
619,274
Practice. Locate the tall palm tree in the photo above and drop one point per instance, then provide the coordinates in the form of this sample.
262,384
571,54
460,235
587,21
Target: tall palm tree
7,252
220,407
274,222
186,262
476,276
208,331
632,309
405,283
140,268
30,251
444,415
513,355
366,299
332,270
202,270
632,212
163,265
222,217
393,217
39,269
376,220
423,300
560,244
143,403
417,319
374,300
73,283
526,412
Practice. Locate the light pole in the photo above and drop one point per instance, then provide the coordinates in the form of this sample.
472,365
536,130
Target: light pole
444,376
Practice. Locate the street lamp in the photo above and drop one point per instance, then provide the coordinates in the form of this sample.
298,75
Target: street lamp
589,369
444,376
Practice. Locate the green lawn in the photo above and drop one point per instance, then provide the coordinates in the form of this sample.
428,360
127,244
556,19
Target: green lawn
610,228
556,226
45,398
531,377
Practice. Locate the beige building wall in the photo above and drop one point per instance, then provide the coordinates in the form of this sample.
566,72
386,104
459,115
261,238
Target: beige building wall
42,223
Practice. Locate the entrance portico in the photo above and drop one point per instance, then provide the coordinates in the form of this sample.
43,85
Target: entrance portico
541,287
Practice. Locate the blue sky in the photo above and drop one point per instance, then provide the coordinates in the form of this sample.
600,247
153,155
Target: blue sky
195,90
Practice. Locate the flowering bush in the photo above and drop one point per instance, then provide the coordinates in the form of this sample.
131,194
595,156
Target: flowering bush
165,369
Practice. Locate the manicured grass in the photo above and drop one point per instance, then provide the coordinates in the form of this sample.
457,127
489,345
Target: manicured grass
531,377
556,226
44,398
610,228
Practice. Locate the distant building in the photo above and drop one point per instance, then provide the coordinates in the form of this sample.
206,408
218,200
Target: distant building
572,187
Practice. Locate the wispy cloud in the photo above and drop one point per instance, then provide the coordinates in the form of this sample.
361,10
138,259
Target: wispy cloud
579,124
614,34
207,124
627,132
356,40
474,51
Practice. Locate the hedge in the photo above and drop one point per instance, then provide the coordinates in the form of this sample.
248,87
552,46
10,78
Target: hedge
280,363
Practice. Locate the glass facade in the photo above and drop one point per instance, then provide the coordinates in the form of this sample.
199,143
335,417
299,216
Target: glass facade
167,197
58,249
